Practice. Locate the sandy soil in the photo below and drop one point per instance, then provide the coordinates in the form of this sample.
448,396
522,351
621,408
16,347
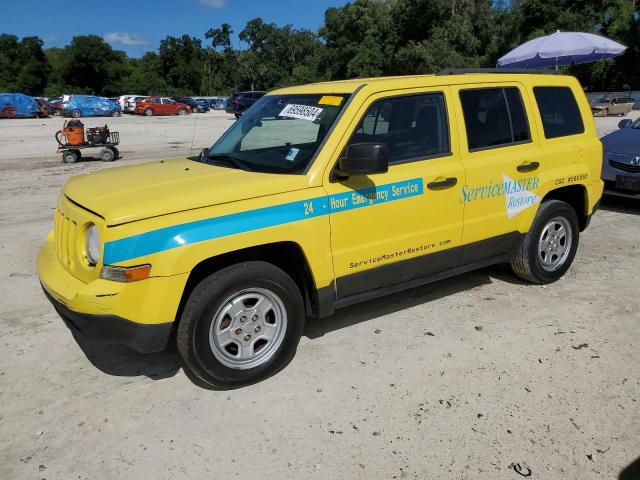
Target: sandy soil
457,380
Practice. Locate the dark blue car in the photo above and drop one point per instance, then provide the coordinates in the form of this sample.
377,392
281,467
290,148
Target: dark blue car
621,165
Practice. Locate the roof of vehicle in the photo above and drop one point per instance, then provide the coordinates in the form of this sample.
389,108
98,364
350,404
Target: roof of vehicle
447,77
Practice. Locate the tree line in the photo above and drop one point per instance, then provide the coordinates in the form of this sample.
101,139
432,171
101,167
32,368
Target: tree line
363,38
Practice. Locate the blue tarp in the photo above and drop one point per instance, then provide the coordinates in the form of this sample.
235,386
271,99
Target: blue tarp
89,105
15,105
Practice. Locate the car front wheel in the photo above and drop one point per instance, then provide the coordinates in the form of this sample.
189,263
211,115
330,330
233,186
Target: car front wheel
241,324
548,249
148,112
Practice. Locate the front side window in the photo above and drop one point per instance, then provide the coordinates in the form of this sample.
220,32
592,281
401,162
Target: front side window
278,134
559,111
494,117
412,127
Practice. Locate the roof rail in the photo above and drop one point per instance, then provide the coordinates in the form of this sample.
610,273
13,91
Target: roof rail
462,71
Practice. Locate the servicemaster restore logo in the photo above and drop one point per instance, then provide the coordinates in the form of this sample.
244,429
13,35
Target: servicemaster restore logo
518,194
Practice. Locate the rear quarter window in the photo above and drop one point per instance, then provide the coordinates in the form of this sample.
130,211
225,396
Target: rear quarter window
559,111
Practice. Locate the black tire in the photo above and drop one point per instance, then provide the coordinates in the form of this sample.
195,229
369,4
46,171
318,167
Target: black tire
210,295
115,113
148,112
526,262
71,156
182,111
107,154
76,113
116,153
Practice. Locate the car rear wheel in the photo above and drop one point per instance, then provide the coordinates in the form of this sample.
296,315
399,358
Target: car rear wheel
148,112
548,249
115,113
241,324
76,113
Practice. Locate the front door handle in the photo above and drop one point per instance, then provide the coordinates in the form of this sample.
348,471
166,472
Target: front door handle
528,167
446,183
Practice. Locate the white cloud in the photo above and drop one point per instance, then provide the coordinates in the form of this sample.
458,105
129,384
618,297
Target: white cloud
213,3
126,38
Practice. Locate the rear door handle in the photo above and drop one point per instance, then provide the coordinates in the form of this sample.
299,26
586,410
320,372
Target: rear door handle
446,183
528,167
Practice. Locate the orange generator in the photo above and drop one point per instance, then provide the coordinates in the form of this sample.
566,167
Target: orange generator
73,130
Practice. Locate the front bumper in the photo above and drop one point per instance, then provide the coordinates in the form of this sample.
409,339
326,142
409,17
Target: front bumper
144,338
139,314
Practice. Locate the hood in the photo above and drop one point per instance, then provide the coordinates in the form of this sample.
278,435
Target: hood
625,140
136,192
599,107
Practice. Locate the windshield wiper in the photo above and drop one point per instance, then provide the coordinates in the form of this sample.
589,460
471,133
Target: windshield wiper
236,162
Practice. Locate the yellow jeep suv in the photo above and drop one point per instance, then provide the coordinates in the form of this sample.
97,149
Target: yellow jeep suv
319,197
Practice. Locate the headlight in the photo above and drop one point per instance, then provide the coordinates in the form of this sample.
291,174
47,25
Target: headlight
93,244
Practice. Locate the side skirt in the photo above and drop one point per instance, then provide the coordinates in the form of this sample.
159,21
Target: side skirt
417,282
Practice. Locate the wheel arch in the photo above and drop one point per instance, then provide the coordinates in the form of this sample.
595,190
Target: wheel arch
577,197
288,256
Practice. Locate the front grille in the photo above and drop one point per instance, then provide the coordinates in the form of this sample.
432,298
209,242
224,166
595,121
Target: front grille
625,167
66,235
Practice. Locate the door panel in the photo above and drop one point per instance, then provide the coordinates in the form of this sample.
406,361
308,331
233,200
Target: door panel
385,227
502,158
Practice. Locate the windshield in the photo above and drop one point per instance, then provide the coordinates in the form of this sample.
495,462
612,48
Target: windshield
279,134
599,101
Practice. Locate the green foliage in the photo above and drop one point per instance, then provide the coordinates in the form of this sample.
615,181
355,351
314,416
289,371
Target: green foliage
89,64
23,65
360,39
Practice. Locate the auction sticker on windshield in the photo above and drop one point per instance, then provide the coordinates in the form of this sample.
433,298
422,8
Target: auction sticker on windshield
302,112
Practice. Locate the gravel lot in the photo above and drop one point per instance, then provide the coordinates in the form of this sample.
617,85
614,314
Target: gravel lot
460,379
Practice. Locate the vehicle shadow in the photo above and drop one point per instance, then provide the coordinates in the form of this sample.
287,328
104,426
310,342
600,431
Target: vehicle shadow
121,361
620,205
386,305
631,472
118,360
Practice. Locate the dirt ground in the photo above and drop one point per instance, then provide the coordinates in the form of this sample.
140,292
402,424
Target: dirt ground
457,380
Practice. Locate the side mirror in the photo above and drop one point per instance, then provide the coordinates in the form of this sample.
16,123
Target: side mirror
364,159
625,123
203,154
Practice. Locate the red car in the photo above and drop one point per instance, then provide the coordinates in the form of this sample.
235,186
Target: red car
161,106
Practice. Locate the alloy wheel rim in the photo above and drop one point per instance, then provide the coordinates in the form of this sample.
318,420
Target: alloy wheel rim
555,243
248,328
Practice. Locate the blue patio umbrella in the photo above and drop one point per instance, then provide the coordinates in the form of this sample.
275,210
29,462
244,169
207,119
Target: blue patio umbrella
561,48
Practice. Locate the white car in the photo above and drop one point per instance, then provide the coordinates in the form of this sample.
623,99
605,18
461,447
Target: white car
122,100
131,102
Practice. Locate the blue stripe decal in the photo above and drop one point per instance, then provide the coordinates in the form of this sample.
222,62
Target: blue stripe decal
200,230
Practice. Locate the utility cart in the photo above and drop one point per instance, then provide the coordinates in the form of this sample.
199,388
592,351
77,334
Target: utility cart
73,138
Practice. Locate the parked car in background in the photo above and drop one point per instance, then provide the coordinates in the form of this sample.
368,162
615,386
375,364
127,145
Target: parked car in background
131,102
196,105
621,169
603,106
19,105
239,102
89,106
219,103
161,106
54,104
122,100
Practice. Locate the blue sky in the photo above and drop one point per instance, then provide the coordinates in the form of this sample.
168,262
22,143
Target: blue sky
136,26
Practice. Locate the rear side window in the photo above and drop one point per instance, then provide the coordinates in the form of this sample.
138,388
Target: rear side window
559,111
413,127
494,117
